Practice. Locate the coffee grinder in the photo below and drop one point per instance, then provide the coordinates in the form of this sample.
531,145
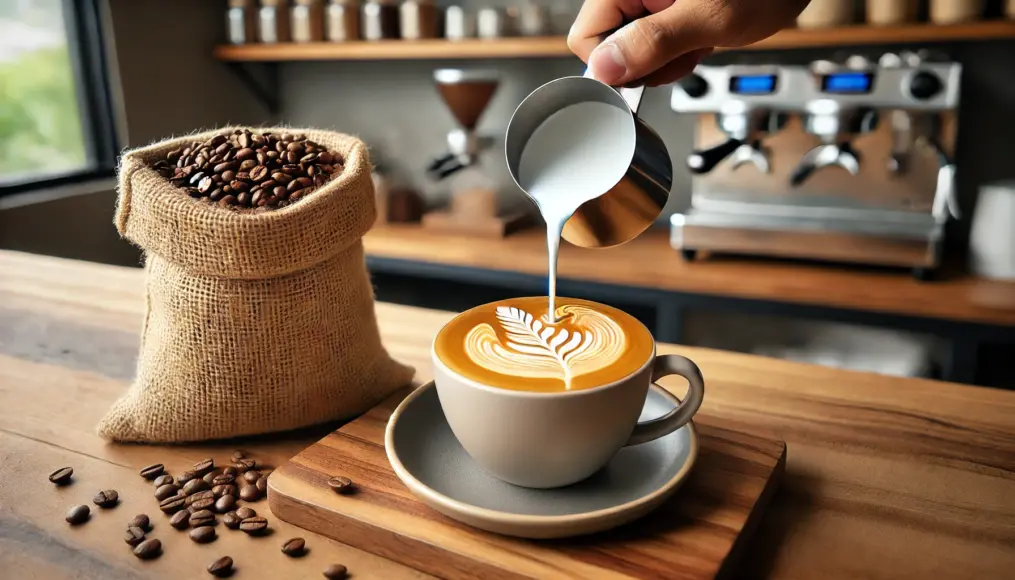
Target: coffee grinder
473,209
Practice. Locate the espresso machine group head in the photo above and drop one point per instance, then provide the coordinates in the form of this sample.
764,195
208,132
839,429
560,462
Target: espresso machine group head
855,164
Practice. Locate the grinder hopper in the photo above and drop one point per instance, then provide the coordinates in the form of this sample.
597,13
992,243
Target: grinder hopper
467,94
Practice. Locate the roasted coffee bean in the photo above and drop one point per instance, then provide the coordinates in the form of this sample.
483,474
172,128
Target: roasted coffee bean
221,149
325,157
148,549
202,518
223,479
201,503
152,471
340,484
221,568
249,493
257,173
254,526
106,498
227,201
78,514
209,478
203,494
204,466
173,504
62,476
194,486
305,181
217,140
180,520
244,465
228,176
294,185
248,164
203,535
185,477
245,512
245,153
336,572
252,476
163,480
294,548
196,178
167,490
205,185
262,485
225,504
239,186
231,520
140,521
134,535
228,489
230,471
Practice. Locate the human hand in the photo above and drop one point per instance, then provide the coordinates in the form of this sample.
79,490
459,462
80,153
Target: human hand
665,39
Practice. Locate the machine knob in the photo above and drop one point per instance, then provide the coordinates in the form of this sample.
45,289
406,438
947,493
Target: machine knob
925,85
694,85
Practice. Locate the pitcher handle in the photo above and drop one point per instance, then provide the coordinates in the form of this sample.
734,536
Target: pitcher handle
631,95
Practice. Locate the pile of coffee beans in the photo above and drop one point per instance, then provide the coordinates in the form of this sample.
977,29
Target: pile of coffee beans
194,500
250,170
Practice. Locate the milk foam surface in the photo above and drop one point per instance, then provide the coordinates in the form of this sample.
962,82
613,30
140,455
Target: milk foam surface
512,344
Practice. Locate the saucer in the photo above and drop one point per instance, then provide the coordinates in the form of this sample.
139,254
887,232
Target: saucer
428,459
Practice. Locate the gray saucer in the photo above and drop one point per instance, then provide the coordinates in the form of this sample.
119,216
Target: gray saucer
427,457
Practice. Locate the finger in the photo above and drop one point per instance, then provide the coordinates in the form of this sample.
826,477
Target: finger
677,68
597,17
647,44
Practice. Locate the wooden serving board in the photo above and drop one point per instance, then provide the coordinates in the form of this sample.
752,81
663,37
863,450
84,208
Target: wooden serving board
698,533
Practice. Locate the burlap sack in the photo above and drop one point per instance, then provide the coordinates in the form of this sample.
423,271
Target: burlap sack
254,322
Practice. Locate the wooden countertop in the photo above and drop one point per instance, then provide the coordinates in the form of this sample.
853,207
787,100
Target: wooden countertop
649,261
885,477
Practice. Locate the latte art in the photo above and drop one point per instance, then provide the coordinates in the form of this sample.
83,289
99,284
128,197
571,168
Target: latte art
512,344
533,348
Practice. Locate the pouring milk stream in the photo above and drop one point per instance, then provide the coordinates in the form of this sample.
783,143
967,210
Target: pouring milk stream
597,173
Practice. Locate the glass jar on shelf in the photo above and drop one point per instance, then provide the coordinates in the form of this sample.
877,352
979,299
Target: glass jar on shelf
955,11
343,20
273,21
380,20
418,19
308,21
826,14
241,21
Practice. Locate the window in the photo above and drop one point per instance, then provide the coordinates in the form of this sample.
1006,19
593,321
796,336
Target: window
56,122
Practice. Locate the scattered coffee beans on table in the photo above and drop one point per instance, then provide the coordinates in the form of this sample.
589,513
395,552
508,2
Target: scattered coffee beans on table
203,535
166,491
340,484
163,480
222,567
227,489
225,504
202,518
180,520
336,572
141,521
245,512
148,549
194,486
134,536
61,476
249,170
107,498
152,471
254,526
204,467
262,485
294,548
78,514
232,521
173,504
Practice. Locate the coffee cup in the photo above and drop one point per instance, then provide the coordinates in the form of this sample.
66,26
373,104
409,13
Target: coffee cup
552,437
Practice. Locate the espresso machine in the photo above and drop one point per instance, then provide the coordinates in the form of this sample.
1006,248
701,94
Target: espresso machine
844,162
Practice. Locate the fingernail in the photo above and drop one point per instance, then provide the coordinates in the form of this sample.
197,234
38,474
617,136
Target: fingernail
607,63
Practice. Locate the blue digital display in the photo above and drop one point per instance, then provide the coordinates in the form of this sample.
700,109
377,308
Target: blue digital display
851,82
753,85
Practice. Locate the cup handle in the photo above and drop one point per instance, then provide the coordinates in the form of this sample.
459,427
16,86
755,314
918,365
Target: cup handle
665,365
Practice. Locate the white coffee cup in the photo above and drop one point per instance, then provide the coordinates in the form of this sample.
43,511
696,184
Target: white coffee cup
543,440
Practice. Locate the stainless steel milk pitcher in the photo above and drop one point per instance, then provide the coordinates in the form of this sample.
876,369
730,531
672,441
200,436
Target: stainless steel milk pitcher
623,209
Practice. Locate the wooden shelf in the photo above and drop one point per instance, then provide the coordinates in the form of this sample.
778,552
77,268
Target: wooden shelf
555,46
648,261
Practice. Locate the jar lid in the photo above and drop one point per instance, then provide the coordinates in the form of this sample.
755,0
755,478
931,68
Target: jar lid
241,3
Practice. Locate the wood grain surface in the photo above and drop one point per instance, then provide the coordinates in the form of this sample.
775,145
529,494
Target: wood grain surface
885,477
698,533
649,261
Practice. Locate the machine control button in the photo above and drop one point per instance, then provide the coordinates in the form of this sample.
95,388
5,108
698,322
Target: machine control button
694,85
925,85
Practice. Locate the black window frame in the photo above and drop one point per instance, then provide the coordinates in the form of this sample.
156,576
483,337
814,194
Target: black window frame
83,20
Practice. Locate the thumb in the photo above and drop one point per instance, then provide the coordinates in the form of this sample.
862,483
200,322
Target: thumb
645,45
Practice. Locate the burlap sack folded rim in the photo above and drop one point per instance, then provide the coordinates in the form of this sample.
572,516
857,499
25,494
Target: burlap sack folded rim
238,236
